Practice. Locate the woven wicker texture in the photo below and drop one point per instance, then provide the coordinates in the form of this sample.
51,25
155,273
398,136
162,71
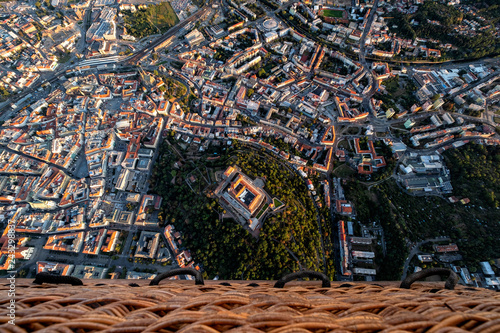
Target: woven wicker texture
172,306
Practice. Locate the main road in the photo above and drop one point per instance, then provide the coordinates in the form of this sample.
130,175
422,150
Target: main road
362,50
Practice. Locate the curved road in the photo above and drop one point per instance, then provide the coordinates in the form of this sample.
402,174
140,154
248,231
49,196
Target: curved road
415,250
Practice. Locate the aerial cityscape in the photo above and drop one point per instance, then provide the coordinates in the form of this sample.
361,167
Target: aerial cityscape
250,139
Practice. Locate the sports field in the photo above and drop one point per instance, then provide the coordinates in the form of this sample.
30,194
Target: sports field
333,13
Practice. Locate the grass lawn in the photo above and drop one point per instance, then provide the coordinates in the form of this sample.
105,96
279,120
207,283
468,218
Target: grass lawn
64,58
262,211
332,13
155,19
496,120
344,171
163,15
277,203
344,144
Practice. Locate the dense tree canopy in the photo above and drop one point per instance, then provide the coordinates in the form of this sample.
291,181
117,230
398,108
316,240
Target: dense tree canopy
476,173
482,44
223,247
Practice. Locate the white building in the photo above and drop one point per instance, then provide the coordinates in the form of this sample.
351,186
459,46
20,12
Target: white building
195,37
